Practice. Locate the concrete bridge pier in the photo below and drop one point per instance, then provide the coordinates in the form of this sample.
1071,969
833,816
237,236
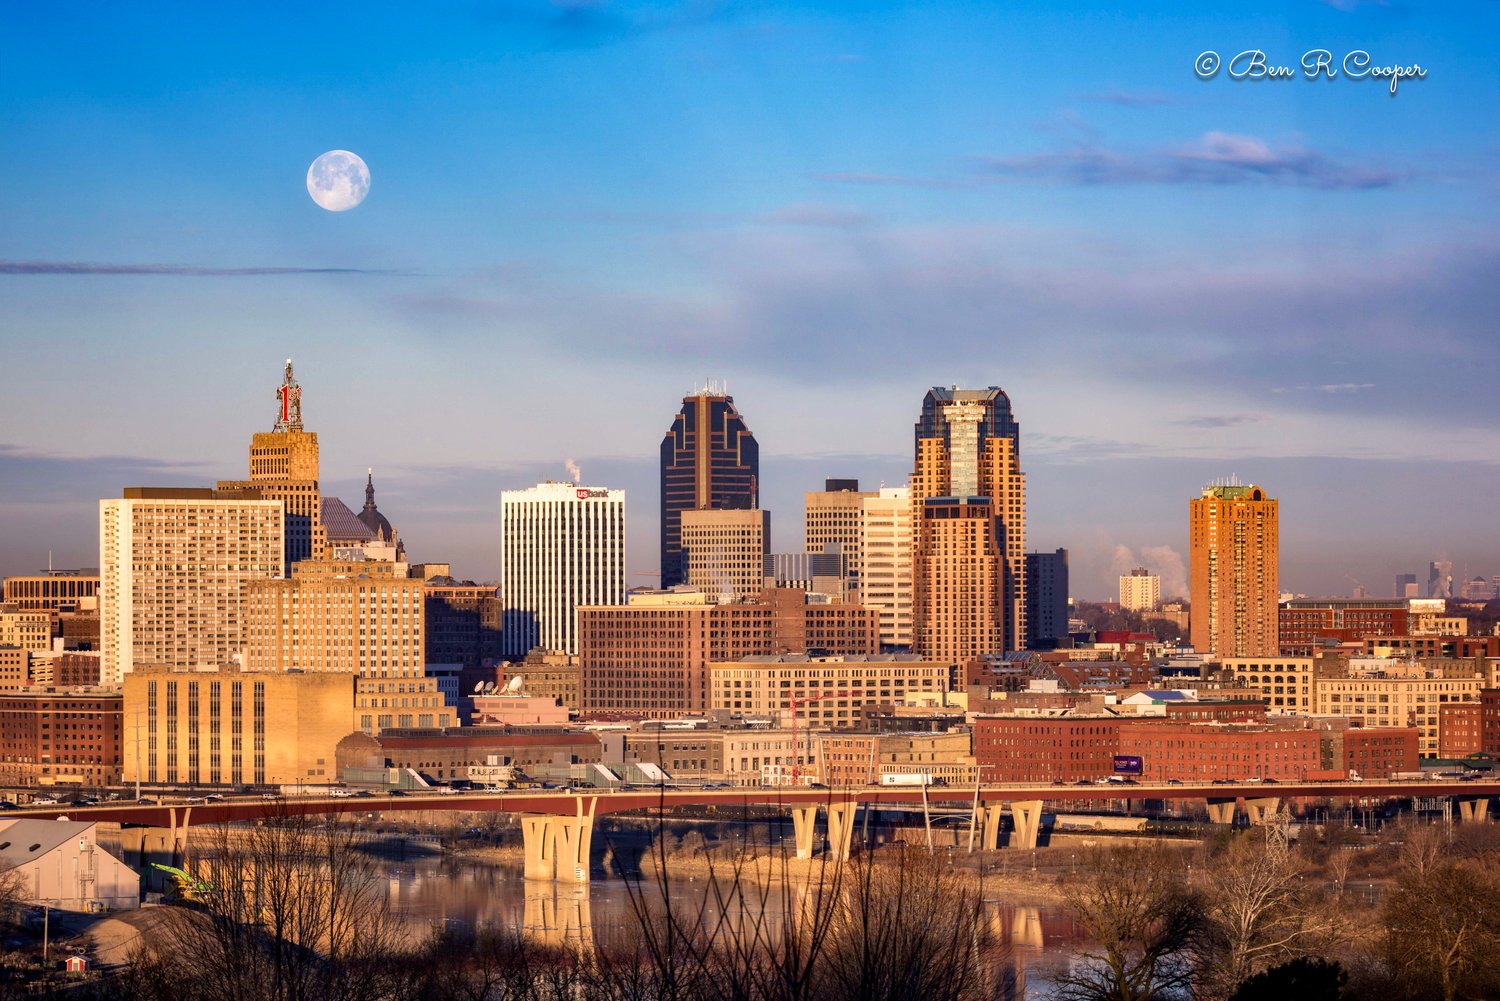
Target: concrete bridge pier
1262,811
989,819
141,846
1471,811
841,828
1027,815
804,824
557,846
1220,811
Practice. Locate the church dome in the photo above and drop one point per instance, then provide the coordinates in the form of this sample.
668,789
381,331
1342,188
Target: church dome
371,516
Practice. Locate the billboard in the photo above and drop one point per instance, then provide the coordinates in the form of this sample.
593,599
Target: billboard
1127,764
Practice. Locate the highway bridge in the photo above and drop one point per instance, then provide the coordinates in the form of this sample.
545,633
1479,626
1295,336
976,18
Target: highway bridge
557,825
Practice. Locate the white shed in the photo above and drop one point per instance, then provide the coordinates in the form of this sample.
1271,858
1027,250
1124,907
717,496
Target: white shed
60,864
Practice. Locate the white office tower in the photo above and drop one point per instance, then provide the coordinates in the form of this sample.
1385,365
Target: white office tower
173,564
886,545
563,546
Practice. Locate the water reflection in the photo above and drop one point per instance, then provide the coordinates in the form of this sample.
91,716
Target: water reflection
1028,940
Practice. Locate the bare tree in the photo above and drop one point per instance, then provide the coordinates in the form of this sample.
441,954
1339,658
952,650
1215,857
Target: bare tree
1260,911
1134,904
1443,932
291,911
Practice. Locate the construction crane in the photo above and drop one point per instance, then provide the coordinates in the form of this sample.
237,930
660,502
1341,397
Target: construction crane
796,770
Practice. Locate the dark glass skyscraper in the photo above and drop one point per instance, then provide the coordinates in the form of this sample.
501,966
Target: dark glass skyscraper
709,460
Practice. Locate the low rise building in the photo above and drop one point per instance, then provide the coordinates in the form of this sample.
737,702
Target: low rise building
821,692
856,759
53,736
1460,729
59,863
1400,701
1060,748
1287,684
1203,752
449,755
230,728
29,629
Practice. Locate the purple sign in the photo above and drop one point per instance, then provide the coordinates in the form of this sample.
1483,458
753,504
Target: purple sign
1127,764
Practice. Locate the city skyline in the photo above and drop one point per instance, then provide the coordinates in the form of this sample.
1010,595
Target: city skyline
1175,279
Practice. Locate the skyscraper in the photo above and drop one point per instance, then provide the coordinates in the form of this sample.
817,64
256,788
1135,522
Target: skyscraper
709,461
173,564
832,518
725,552
969,526
1406,585
1046,599
886,547
1140,591
284,467
1233,564
563,545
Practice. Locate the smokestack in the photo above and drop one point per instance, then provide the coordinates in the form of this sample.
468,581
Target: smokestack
574,471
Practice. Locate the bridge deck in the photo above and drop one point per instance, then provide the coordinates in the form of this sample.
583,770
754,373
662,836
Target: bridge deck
561,802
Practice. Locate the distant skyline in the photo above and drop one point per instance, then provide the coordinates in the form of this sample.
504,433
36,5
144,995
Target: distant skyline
580,211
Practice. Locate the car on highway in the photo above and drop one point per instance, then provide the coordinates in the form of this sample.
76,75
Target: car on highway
6,804
145,801
43,801
214,797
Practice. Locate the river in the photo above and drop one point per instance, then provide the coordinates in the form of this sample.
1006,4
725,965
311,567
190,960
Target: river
1028,940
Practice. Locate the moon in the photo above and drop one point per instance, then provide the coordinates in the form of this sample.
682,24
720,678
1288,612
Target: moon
338,180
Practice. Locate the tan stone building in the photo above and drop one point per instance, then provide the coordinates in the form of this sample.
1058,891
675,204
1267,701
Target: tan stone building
284,467
232,728
1288,684
832,517
885,579
1401,701
1233,542
56,591
349,617
724,552
740,756
173,565
821,692
969,525
854,759
24,628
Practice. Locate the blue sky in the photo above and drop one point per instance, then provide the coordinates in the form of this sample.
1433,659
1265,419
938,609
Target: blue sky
578,211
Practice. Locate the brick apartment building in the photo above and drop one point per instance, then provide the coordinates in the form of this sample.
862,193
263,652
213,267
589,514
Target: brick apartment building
49,737
1202,752
1045,749
650,658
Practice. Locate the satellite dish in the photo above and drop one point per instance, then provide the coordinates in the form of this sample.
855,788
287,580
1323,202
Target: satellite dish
514,685
478,687
490,688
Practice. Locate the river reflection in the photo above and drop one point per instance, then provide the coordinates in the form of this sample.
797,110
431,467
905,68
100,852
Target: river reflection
1029,941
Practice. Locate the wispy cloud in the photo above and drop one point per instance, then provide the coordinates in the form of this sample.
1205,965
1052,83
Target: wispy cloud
1214,158
1331,388
173,270
895,180
817,214
1212,421
1130,98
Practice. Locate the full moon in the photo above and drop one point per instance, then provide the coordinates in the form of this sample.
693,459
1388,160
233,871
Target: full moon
338,180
